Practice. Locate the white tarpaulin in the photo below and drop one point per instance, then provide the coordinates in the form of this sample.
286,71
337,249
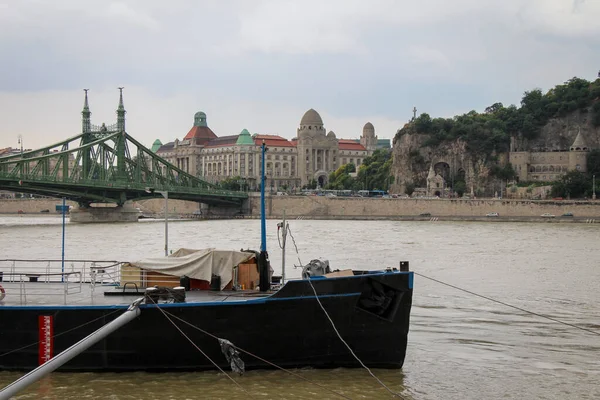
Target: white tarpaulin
197,264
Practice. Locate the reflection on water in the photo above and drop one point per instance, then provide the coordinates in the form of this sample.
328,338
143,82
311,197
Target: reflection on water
460,346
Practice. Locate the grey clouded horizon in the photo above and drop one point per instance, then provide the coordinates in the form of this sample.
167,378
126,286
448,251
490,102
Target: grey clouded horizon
260,64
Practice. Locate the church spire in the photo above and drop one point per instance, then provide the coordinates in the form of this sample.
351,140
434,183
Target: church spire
86,124
121,112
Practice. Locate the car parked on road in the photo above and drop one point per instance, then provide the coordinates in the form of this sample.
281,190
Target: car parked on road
567,214
547,215
492,214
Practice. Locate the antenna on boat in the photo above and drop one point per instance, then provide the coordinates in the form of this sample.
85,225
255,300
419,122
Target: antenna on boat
263,259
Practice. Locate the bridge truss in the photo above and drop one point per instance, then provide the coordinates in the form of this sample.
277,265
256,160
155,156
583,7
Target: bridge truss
105,165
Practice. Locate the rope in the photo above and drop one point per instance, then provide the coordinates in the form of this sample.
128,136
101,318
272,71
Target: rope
60,334
338,333
200,350
510,305
260,358
347,346
296,247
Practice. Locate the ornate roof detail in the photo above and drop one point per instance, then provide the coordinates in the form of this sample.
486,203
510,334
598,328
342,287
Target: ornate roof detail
579,144
244,139
311,117
200,119
431,174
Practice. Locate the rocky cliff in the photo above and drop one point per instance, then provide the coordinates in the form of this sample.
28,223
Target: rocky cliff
413,157
559,133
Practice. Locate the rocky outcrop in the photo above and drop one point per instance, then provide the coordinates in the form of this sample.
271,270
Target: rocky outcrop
559,133
412,158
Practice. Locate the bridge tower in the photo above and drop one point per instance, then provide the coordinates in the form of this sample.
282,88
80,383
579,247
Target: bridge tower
86,129
120,145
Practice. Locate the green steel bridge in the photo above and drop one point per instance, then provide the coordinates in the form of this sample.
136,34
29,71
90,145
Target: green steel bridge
106,165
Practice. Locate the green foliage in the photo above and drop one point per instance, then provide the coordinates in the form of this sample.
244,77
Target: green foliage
572,184
340,179
593,162
410,189
311,185
375,171
490,131
504,173
596,114
234,183
460,188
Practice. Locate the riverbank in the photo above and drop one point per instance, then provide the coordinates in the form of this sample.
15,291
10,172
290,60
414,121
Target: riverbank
340,208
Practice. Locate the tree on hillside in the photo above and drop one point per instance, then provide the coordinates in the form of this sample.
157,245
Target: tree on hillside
491,131
375,171
340,179
572,184
593,162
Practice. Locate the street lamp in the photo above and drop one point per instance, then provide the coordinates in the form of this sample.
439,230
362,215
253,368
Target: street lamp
20,141
164,194
593,187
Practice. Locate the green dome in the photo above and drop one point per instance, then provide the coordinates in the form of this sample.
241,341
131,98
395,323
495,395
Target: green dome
244,139
156,145
200,119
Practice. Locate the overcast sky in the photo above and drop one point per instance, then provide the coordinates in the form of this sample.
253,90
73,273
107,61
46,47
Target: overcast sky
260,64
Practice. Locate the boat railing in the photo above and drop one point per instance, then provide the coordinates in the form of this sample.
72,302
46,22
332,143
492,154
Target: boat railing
29,283
41,278
127,276
53,277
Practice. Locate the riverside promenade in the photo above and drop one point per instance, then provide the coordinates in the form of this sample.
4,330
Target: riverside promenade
356,208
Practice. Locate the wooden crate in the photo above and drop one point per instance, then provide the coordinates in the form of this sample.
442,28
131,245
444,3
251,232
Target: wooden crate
248,276
158,279
131,274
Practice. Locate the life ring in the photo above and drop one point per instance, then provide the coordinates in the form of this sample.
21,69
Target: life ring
2,293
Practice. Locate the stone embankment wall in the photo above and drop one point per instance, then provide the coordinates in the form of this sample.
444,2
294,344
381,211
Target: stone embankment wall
30,206
351,208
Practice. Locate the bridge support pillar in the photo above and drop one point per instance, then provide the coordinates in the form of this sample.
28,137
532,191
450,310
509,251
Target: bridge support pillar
104,214
211,211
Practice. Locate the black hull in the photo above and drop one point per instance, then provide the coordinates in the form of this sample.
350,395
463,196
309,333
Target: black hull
288,329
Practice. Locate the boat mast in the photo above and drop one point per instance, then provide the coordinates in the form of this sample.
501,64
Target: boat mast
263,263
263,222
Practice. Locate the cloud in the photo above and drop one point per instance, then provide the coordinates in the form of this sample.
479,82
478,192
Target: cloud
261,64
129,15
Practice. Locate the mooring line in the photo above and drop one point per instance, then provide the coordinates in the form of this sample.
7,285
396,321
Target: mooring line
348,346
261,359
509,305
60,334
199,349
396,394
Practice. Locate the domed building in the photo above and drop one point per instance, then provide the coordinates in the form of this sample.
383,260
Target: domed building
368,138
312,155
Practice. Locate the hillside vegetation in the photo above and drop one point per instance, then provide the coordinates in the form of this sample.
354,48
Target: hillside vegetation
491,130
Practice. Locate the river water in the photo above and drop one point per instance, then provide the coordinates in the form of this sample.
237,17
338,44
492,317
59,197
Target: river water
460,346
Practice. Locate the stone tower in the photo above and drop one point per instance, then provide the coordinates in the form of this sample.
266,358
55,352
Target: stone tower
368,138
578,154
316,150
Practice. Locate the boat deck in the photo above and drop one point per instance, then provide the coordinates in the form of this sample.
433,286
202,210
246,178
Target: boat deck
41,294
